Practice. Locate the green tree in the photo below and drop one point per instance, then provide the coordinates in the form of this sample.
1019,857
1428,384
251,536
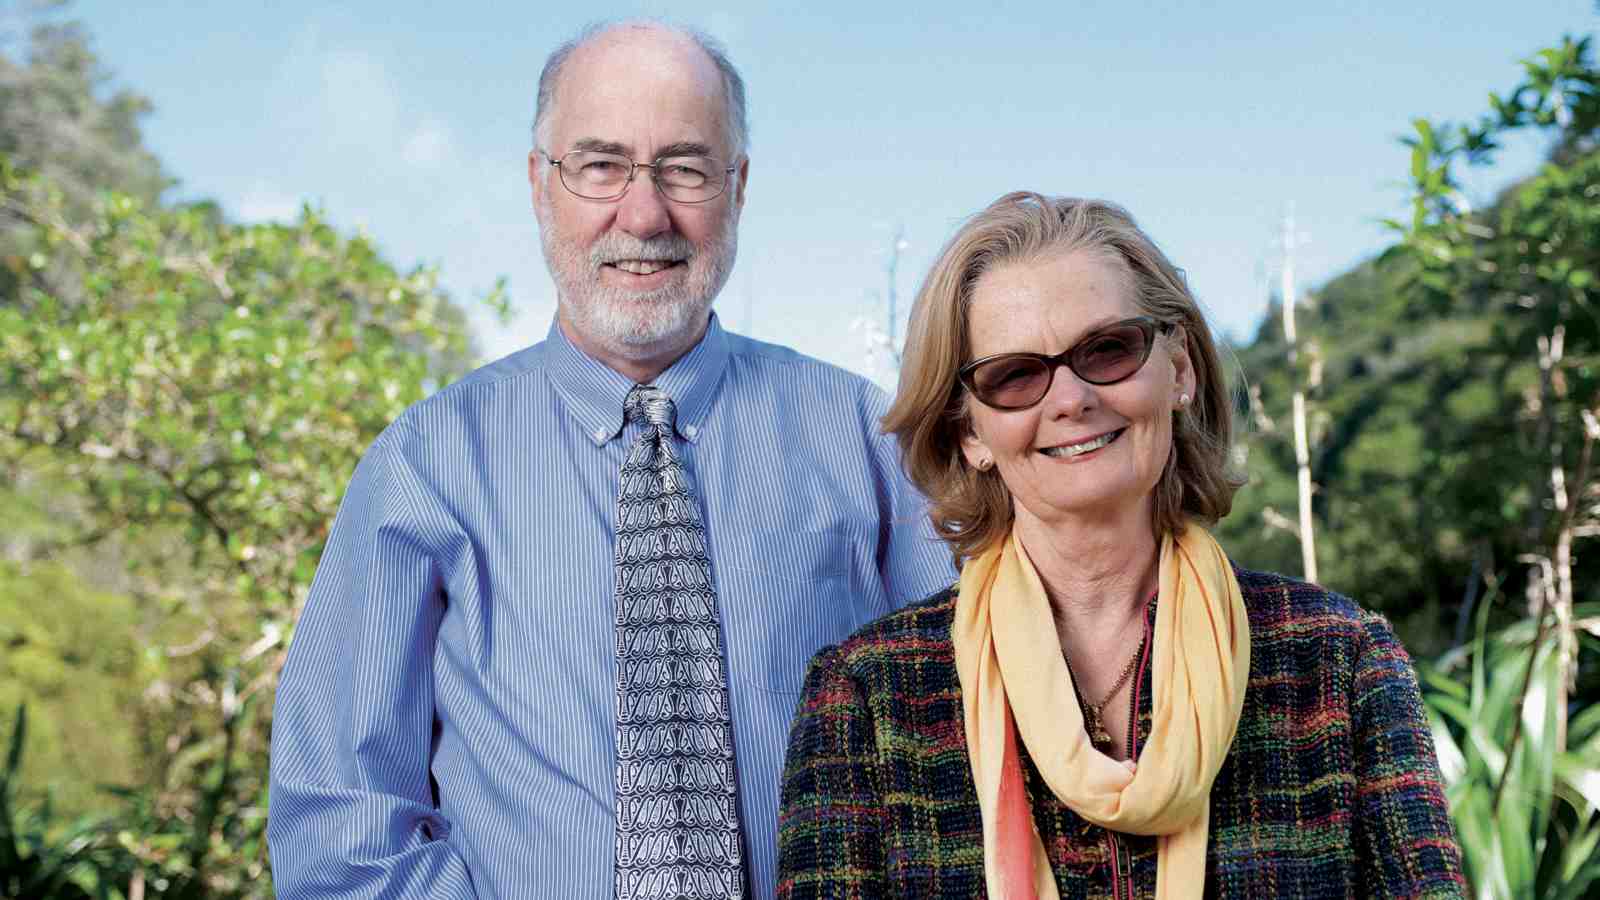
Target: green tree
1409,457
75,659
209,387
172,553
1533,264
1523,780
72,649
58,118
1450,447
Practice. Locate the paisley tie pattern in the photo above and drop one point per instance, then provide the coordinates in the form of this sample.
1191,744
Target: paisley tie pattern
677,803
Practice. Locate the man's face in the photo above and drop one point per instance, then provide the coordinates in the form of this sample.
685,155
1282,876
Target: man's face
636,275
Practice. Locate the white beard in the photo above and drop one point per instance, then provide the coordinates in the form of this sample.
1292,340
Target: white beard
633,324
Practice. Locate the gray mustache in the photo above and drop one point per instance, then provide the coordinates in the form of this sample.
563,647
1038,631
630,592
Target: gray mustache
614,246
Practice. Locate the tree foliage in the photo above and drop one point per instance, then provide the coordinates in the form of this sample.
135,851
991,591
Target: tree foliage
208,387
1437,428
1454,461
77,656
182,400
57,119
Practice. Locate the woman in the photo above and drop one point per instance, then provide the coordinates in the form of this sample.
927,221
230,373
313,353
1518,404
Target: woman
1102,706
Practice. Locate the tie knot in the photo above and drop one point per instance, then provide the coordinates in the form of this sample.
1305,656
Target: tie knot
649,403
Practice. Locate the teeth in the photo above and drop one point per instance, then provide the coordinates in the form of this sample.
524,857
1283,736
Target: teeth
1080,449
642,266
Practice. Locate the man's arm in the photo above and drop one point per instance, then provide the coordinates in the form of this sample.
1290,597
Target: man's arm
912,560
352,811
1404,844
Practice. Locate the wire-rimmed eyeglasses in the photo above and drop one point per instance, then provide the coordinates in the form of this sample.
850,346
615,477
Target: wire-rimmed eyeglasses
597,175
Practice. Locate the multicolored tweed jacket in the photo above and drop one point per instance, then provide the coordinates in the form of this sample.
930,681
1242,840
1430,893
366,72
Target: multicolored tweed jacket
1331,788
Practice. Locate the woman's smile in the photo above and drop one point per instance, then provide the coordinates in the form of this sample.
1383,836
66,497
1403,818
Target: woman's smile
1079,449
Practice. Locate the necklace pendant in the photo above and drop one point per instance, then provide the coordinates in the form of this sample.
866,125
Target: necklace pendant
1098,736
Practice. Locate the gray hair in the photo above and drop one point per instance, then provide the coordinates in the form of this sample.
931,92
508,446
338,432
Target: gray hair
732,82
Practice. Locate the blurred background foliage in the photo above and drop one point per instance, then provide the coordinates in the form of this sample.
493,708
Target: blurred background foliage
183,397
1454,384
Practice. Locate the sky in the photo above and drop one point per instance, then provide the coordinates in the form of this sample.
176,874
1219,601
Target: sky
1209,122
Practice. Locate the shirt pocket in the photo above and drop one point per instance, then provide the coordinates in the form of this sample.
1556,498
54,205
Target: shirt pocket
784,596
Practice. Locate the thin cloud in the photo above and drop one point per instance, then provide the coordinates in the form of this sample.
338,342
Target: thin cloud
343,104
430,144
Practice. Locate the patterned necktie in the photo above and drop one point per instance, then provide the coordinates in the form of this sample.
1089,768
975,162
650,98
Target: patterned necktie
677,807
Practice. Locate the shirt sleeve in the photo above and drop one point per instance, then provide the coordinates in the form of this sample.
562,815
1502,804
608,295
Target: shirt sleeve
831,821
352,811
1405,846
912,560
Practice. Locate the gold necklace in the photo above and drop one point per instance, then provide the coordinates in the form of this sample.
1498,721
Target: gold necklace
1093,719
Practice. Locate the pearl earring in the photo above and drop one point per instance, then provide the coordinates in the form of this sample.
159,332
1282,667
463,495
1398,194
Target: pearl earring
1183,400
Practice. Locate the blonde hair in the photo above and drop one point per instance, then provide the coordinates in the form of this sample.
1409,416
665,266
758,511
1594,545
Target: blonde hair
971,509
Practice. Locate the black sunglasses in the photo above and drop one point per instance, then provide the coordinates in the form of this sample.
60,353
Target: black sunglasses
1019,380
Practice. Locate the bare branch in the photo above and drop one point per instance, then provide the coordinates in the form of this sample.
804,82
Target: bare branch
1278,520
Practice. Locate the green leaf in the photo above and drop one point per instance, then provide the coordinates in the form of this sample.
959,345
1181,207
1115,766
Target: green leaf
1578,777
1583,731
1580,867
1425,136
1452,763
1513,828
1480,842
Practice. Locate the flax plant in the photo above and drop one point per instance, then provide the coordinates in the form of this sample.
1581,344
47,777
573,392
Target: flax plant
1525,802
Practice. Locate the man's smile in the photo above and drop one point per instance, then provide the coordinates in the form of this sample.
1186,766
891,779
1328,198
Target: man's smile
644,266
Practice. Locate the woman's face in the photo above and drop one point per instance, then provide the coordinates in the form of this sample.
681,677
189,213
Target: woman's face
1040,452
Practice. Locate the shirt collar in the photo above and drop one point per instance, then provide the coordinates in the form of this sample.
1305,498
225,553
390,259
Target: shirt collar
594,391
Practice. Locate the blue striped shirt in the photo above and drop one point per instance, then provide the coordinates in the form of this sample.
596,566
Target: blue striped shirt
445,722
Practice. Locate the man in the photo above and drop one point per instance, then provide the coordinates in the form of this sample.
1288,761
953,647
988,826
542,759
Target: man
562,620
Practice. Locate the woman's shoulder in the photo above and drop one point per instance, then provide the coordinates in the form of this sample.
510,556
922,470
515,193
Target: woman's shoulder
1281,607
1270,596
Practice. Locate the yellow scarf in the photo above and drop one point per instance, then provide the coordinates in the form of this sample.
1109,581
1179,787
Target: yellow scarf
1009,661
